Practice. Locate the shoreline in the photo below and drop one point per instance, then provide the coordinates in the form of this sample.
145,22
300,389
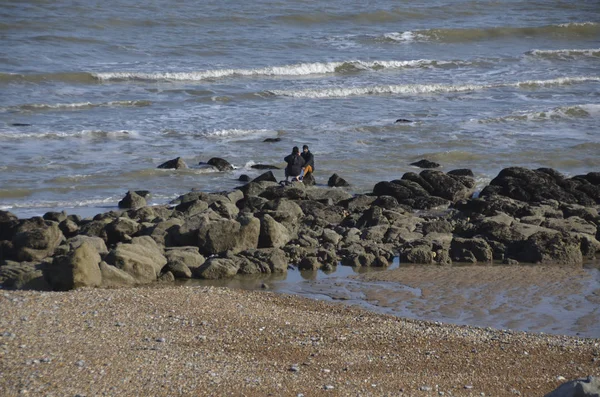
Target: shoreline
209,341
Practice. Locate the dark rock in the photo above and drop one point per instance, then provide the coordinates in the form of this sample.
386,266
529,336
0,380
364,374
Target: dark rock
176,163
461,172
447,186
264,167
403,121
358,203
437,226
272,233
470,250
309,179
8,222
23,276
547,248
55,216
270,260
583,387
143,193
132,200
121,230
20,125
425,164
543,184
418,251
36,239
220,164
266,177
68,228
244,178
336,181
271,140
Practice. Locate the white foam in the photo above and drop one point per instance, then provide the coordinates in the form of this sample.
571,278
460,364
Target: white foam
75,105
301,69
577,24
413,89
590,52
236,133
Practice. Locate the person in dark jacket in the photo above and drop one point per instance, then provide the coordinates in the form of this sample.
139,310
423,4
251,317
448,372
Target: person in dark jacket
309,162
295,162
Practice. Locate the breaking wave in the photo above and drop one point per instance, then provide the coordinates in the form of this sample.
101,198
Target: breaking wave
565,54
75,106
411,89
568,30
562,112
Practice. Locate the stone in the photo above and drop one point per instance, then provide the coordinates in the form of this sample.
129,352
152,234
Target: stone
23,276
266,177
215,237
114,277
264,167
218,268
582,387
186,256
96,242
55,216
272,233
121,230
179,269
548,248
425,164
132,200
263,260
336,181
176,163
310,263
142,259
36,239
78,269
220,164
470,250
244,178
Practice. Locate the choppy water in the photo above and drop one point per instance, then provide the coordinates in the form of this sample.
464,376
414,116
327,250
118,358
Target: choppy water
108,90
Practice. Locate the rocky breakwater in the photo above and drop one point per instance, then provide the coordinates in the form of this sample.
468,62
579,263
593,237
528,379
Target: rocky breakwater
535,216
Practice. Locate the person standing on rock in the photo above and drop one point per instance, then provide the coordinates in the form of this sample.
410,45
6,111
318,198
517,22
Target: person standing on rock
309,162
295,162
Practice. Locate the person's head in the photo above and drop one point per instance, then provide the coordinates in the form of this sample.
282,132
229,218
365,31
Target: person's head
305,148
295,150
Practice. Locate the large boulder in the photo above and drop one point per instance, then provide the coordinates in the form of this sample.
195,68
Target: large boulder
266,177
223,235
121,230
132,200
36,239
220,164
470,250
23,275
176,163
180,258
543,184
96,242
548,248
337,181
269,260
449,187
8,222
113,277
272,233
79,268
217,268
142,259
583,387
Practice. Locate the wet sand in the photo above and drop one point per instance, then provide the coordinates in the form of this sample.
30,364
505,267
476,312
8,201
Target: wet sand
218,341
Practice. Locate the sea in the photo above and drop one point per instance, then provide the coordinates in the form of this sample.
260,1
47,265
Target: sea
94,95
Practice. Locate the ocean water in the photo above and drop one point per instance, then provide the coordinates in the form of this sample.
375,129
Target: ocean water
94,95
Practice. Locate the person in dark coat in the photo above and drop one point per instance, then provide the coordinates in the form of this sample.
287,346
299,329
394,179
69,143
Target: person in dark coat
309,161
295,162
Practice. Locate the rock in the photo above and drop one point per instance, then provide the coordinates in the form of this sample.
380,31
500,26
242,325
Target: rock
142,259
403,121
225,209
24,276
309,179
216,237
36,239
336,181
272,233
257,188
244,178
583,387
418,251
132,200
80,268
461,172
176,164
167,277
309,263
447,186
425,164
68,228
217,268
269,260
8,222
186,256
266,177
220,164
190,208
543,184
272,140
179,269
264,167
55,216
115,277
548,248
470,250
121,230
335,195
95,242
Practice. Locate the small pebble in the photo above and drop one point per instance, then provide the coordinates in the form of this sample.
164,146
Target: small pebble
328,387
80,363
425,388
295,368
161,340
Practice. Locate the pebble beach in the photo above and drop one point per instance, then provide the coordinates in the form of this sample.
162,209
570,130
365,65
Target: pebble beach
166,341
